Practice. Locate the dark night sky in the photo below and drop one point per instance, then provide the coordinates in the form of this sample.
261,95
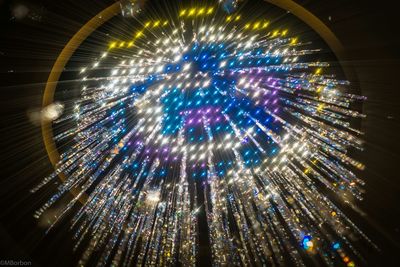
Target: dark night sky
29,47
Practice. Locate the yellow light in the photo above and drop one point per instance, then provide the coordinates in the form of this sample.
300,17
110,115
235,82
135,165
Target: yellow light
237,17
156,23
318,71
229,18
201,11
192,11
319,89
284,32
113,44
165,23
210,10
360,166
147,24
182,13
247,26
130,44
320,107
293,41
256,25
138,34
275,33
265,24
121,44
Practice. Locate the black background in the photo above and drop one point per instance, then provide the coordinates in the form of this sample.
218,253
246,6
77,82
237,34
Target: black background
369,31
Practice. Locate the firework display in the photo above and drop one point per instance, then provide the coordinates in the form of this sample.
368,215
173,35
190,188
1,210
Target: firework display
233,121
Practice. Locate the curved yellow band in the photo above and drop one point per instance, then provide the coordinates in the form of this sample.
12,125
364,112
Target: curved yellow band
313,22
63,58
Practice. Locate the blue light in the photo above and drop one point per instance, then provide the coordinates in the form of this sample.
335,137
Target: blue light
305,242
336,245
